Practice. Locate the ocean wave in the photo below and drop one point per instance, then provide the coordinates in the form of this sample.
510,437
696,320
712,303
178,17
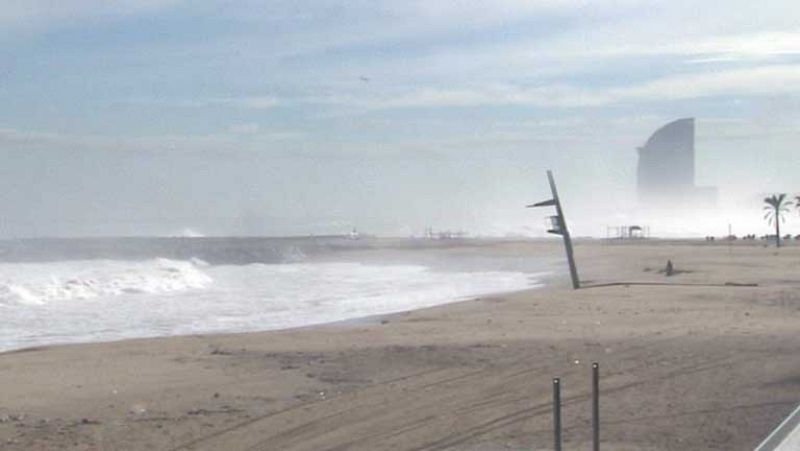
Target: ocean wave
96,300
41,283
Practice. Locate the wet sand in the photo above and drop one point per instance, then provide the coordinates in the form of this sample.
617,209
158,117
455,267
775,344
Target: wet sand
706,363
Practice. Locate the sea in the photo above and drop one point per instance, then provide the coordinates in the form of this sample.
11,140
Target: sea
56,291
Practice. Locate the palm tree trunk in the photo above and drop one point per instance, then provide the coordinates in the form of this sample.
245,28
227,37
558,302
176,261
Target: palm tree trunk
777,228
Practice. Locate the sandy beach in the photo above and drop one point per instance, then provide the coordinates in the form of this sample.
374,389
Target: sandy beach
709,362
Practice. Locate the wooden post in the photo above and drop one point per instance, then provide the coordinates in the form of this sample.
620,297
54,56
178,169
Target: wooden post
557,414
595,407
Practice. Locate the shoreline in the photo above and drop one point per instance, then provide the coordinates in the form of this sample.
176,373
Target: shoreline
682,368
371,319
81,302
539,284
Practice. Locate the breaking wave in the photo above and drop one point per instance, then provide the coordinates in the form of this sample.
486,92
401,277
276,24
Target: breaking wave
97,298
40,283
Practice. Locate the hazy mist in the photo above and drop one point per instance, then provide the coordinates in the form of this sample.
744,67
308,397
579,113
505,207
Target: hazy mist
168,117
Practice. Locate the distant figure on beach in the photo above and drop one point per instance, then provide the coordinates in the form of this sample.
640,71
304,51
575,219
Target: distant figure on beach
669,269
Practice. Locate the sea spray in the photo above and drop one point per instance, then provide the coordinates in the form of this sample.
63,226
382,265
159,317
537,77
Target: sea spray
79,290
42,283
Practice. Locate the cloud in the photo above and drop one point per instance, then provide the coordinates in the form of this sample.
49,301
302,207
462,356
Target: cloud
703,47
257,103
38,14
313,29
420,54
542,96
250,102
766,80
758,45
589,51
238,137
247,129
11,136
478,13
750,130
244,102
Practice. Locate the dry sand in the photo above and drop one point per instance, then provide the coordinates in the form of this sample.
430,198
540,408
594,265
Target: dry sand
688,367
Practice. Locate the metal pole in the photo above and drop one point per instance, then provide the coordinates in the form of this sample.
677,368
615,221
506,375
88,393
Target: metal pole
557,414
596,406
560,228
562,224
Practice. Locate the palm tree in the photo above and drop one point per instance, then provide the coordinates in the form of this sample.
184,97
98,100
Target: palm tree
777,206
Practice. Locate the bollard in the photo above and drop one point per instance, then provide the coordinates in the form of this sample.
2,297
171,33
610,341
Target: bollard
557,413
596,406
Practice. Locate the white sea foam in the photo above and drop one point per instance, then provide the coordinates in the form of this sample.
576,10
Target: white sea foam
78,301
41,283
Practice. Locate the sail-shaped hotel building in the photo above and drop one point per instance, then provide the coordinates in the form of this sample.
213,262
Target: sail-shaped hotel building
666,171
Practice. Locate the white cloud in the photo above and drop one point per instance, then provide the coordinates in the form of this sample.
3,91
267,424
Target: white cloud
257,103
589,50
745,46
766,80
704,47
238,137
482,13
291,29
11,136
245,129
545,96
245,102
36,14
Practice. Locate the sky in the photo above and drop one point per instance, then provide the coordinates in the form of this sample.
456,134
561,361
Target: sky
212,117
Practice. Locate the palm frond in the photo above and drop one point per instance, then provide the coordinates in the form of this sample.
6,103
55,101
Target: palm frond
777,207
